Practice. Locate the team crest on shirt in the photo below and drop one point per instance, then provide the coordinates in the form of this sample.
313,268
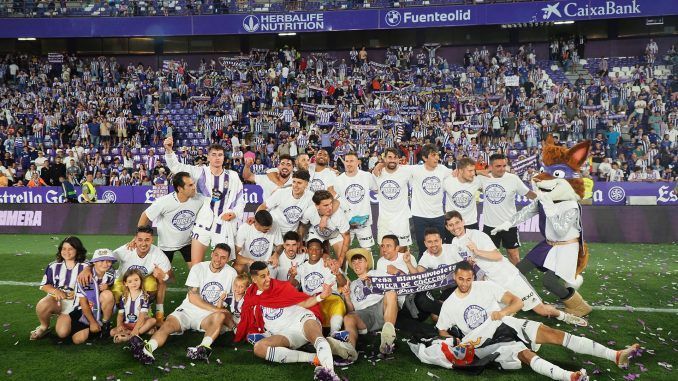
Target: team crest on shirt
211,291
474,316
462,199
292,214
355,193
140,268
259,247
312,281
183,220
316,185
358,292
324,232
132,318
390,189
431,185
272,313
495,193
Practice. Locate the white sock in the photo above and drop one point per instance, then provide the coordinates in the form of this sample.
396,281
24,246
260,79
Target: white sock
285,355
561,315
153,344
159,308
336,322
547,369
587,346
324,352
206,341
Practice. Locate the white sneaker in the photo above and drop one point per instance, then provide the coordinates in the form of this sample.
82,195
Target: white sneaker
342,349
575,320
388,336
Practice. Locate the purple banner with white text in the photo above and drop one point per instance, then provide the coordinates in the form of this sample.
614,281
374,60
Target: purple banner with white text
365,19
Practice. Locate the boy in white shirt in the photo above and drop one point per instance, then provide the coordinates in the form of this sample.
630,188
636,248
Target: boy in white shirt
260,241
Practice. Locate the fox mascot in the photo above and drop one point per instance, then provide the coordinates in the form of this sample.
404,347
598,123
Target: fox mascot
562,255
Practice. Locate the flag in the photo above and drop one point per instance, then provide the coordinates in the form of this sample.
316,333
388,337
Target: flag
520,166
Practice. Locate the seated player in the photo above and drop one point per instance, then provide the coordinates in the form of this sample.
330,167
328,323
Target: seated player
291,257
478,248
150,260
313,274
289,317
368,313
93,312
133,319
59,283
324,224
260,241
487,328
208,285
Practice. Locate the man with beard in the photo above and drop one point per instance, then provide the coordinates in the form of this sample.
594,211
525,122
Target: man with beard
287,205
322,176
462,190
392,194
272,181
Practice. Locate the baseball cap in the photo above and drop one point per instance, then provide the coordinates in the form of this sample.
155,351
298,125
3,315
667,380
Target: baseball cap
102,255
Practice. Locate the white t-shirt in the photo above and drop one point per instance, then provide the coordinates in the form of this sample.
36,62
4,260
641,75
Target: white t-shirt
279,319
285,264
399,263
337,224
322,180
473,310
210,284
255,244
287,210
501,271
354,193
174,219
313,276
129,259
427,190
462,198
358,298
499,203
450,255
268,187
393,194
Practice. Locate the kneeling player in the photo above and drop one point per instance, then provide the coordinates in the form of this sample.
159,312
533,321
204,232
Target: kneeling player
291,318
208,285
487,328
369,313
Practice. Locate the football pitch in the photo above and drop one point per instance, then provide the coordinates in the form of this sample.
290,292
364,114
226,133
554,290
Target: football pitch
633,287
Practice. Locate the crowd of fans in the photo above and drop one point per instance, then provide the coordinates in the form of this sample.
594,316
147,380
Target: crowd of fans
98,116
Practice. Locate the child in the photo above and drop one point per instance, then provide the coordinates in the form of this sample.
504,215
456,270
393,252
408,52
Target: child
59,283
133,318
93,311
236,299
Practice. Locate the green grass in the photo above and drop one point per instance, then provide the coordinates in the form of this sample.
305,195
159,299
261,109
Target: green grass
618,275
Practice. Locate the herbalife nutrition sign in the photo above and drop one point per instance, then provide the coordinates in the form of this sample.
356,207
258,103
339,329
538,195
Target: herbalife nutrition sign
289,22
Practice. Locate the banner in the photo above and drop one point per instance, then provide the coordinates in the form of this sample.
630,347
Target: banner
511,80
55,58
411,284
363,19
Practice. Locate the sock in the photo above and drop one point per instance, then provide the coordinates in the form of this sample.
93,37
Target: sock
153,344
587,346
336,322
324,352
561,315
206,341
159,308
553,283
285,355
547,369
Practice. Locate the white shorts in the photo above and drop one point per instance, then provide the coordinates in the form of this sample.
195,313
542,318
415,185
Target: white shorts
338,239
190,318
364,235
399,228
209,238
67,306
520,287
294,332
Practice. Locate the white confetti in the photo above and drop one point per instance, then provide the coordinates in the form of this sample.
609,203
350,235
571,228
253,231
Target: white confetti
432,375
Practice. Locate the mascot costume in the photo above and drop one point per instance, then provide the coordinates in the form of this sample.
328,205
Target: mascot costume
562,256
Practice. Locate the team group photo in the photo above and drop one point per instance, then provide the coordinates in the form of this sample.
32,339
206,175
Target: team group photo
327,190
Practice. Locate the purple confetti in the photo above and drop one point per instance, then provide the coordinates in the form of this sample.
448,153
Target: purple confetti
641,367
611,342
597,371
631,376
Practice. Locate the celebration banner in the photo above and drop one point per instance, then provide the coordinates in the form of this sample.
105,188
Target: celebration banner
365,19
411,284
